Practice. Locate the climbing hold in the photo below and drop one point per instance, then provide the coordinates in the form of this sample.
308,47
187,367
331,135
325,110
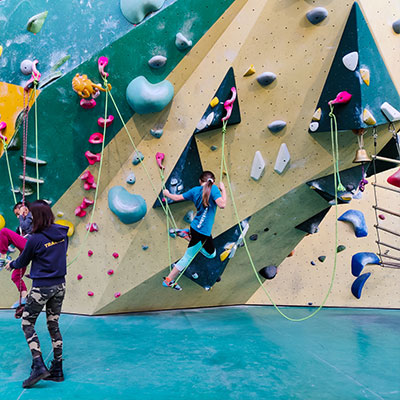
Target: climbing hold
86,203
79,212
157,61
365,75
2,222
368,118
350,60
268,272
144,247
117,294
195,275
1,50
115,255
313,126
36,22
282,160
79,277
137,157
102,62
341,98
357,219
131,179
321,258
128,207
181,42
266,78
92,227
60,214
157,133
145,97
26,67
291,254
396,26
87,104
205,121
390,112
90,253
317,15
189,216
96,138
381,216
110,272
358,284
108,121
68,224
258,167
92,158
159,159
317,114
340,248
89,180
394,179
90,294
250,71
213,148
136,10
210,118
214,102
360,260
276,126
312,263
253,237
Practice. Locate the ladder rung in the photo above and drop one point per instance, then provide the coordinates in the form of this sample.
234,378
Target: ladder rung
391,265
386,230
391,257
387,211
391,160
386,187
387,245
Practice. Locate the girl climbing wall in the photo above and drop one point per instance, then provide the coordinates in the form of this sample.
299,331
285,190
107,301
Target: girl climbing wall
206,197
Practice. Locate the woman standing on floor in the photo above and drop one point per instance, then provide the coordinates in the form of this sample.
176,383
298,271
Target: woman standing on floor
46,248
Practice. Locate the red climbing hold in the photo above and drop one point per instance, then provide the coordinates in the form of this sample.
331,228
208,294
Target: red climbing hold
92,158
86,203
88,104
90,294
79,277
79,212
394,179
115,255
108,121
96,138
92,227
90,253
341,98
110,272
381,216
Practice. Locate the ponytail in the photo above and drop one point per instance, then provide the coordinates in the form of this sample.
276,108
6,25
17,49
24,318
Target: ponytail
209,179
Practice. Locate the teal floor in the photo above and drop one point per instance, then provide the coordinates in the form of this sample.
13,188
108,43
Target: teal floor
221,353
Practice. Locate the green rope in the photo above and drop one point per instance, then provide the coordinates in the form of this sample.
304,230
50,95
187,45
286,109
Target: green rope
251,259
36,142
168,233
187,266
9,170
225,123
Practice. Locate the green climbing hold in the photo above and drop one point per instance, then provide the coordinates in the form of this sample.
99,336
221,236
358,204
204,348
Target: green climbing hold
340,248
136,10
322,258
36,22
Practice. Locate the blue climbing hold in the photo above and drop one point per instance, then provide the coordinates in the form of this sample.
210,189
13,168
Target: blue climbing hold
157,133
276,126
358,284
317,15
396,26
135,10
131,179
145,97
360,260
137,157
357,219
128,207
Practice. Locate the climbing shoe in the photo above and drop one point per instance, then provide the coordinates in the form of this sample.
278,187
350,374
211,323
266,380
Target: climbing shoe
56,371
171,284
19,302
38,372
4,260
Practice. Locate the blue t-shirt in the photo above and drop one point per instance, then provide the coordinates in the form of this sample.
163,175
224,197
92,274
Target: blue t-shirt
204,219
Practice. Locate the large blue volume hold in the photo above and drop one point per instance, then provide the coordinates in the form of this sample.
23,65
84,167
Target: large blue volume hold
360,260
358,284
357,219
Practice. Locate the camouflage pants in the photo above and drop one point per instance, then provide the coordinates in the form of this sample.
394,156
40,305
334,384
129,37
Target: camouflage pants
38,297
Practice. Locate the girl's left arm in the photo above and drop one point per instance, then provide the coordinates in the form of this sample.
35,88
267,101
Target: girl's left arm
221,201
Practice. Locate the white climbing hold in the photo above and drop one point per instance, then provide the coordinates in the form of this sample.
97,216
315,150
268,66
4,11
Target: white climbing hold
365,75
181,42
317,15
390,112
210,118
317,114
283,158
313,126
157,61
276,126
350,60
266,78
258,167
201,124
368,118
26,67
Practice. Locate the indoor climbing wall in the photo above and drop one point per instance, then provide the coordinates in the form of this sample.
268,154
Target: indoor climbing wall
287,60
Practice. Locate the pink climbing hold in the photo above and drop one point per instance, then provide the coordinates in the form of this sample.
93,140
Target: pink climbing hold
89,180
116,295
394,179
341,98
79,212
87,104
110,272
160,158
107,122
92,158
96,138
92,227
86,203
115,255
79,277
3,126
90,253
381,216
228,105
102,63
36,75
90,293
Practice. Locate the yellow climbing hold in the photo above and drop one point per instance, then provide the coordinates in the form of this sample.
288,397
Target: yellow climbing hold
68,224
365,75
251,70
2,222
368,118
1,50
226,252
214,102
317,115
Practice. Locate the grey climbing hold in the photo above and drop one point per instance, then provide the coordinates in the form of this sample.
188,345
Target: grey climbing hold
313,126
396,26
137,157
350,60
189,217
390,112
213,148
131,179
253,237
282,160
266,78
26,67
181,42
258,167
174,182
276,126
157,133
317,15
321,258
268,272
157,61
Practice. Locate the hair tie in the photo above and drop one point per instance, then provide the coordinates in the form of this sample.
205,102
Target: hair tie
210,180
